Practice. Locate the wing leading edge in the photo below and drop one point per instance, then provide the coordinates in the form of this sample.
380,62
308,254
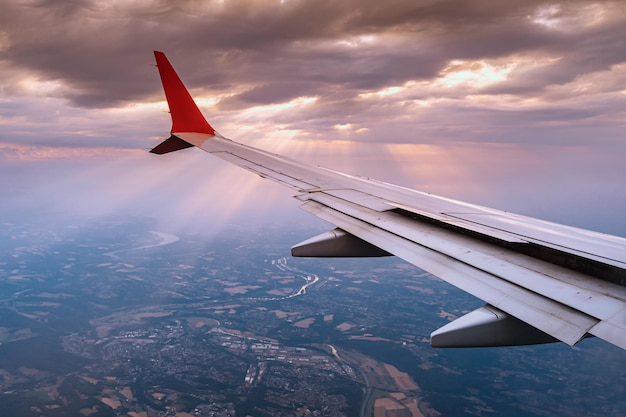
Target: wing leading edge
542,282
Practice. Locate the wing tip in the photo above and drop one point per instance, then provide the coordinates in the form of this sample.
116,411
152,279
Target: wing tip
186,116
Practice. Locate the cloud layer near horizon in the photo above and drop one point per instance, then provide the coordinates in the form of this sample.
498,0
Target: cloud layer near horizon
529,90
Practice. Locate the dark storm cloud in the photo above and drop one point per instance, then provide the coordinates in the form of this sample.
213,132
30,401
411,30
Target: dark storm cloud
580,53
101,51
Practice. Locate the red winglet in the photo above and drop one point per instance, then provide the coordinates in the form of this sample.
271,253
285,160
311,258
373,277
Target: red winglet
186,117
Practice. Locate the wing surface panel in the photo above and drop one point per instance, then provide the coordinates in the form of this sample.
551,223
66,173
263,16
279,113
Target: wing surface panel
572,289
555,235
612,330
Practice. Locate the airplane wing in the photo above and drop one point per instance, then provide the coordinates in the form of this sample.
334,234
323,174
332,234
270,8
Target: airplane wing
541,282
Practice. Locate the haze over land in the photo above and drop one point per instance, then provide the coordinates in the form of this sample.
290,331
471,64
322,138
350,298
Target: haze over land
117,319
517,105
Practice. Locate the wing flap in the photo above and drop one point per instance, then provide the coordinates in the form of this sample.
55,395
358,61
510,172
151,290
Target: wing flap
562,322
601,300
612,330
475,227
560,302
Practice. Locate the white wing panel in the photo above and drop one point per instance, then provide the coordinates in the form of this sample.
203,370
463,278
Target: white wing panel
560,321
265,172
565,286
585,242
476,227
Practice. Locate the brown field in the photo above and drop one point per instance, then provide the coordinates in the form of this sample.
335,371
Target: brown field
242,289
280,293
138,414
398,405
141,316
421,290
224,307
329,317
103,331
29,371
89,411
403,381
386,407
135,278
112,402
49,304
381,375
53,295
198,322
127,392
282,277
228,283
304,324
106,324
413,406
35,316
343,327
371,338
280,314
444,314
92,381
17,278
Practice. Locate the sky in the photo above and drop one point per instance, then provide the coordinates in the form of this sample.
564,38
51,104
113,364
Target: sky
519,106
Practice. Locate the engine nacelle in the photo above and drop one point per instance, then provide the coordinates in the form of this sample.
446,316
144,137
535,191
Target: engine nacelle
486,327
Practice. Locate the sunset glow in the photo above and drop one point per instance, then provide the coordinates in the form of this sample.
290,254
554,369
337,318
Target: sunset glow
471,107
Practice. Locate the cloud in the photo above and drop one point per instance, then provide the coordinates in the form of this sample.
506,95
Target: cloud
99,51
325,81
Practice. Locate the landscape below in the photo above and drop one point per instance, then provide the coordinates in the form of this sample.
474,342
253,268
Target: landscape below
119,318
